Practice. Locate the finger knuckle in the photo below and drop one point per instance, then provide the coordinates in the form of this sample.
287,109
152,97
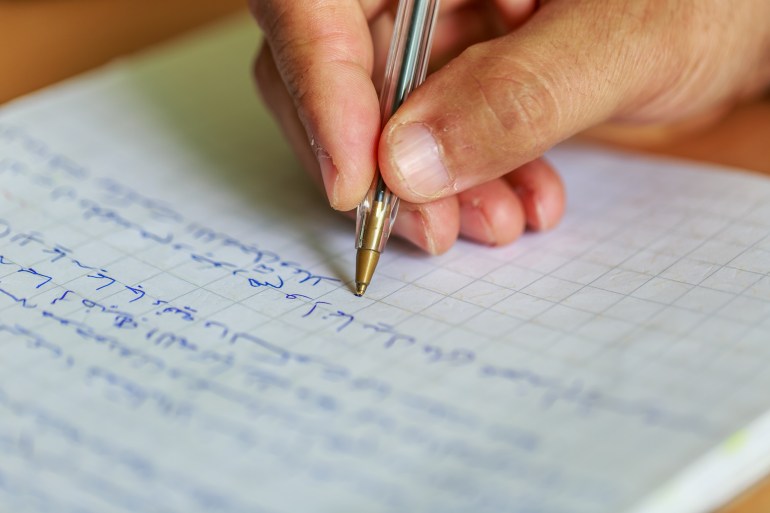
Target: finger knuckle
303,58
519,100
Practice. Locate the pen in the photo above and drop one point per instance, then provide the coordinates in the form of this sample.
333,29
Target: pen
406,69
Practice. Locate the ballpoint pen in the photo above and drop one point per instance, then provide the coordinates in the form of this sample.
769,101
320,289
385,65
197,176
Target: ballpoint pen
406,69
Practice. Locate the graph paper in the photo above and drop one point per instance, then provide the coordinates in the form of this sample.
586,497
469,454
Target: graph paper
178,330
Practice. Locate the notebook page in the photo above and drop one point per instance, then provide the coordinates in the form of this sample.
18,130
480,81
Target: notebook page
178,330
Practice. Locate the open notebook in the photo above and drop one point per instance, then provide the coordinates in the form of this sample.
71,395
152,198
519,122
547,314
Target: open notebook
178,332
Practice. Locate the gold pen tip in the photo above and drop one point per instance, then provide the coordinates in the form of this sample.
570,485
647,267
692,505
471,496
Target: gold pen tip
366,261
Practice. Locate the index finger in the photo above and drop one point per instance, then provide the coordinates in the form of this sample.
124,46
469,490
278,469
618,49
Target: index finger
323,51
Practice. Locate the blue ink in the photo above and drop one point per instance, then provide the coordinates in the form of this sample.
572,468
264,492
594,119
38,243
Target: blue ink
586,401
120,194
59,251
299,296
455,356
168,340
5,228
26,238
322,401
136,290
82,329
263,269
64,192
374,385
35,341
315,279
214,264
62,297
316,304
275,355
276,284
207,235
186,313
160,239
84,266
60,162
394,336
89,303
264,379
268,257
222,363
42,180
22,301
14,166
33,272
223,327
348,319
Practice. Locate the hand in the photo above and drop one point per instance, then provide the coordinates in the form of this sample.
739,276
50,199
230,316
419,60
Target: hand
464,150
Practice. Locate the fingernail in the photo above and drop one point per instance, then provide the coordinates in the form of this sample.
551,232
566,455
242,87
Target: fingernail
533,207
417,159
412,226
329,173
474,224
539,212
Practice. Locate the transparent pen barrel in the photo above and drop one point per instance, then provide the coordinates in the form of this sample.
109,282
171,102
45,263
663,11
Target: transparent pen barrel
407,63
406,69
377,213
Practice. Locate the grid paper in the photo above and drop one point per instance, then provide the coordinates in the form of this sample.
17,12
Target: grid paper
178,330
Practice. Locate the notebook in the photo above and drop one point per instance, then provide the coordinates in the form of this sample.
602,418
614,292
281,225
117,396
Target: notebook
178,330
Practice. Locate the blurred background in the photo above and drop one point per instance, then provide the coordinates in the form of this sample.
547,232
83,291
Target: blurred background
44,41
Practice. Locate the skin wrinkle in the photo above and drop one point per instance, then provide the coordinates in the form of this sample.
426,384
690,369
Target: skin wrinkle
684,62
674,67
311,120
265,79
299,87
430,233
519,110
300,92
608,79
295,77
335,44
447,126
620,55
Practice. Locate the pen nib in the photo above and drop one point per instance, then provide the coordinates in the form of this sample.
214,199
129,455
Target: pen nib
366,261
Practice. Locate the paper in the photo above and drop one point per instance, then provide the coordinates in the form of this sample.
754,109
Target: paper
178,332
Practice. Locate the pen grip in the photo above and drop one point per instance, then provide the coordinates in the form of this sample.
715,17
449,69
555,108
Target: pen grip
406,69
407,63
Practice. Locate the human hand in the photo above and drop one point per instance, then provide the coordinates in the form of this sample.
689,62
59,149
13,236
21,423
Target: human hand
463,152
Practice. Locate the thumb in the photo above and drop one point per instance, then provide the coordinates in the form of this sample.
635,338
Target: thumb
503,103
